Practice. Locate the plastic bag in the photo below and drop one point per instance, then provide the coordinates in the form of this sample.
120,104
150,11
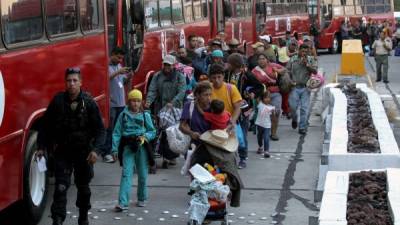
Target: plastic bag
316,80
284,82
186,165
169,117
397,51
240,136
178,142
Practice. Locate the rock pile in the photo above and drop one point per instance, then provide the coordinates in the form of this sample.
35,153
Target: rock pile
363,137
367,201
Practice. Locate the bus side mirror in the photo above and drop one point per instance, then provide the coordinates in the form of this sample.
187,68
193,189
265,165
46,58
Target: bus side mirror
227,9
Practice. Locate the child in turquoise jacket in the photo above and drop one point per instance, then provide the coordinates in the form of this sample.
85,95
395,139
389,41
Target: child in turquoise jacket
136,125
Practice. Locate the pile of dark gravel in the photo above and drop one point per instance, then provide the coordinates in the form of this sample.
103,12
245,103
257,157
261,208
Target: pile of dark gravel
363,136
367,201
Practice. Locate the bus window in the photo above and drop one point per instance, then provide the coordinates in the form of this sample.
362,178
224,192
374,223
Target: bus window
261,14
227,8
18,25
89,14
111,23
165,12
177,15
188,11
204,9
151,13
239,10
61,16
197,9
132,23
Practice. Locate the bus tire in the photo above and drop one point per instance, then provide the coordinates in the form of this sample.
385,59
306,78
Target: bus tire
35,184
335,45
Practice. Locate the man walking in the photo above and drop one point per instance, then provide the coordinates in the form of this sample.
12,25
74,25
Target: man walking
301,66
249,88
73,124
167,89
382,48
119,77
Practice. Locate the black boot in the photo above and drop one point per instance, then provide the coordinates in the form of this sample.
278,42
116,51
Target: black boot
83,217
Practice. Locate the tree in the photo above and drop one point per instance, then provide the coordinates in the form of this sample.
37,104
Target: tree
396,5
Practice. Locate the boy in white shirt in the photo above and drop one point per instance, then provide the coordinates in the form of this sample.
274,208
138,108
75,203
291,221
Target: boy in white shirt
263,122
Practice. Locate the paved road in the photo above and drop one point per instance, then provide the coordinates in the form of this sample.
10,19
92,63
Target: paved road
283,184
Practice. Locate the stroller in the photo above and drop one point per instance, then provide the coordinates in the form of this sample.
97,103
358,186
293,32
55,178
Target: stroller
216,194
217,212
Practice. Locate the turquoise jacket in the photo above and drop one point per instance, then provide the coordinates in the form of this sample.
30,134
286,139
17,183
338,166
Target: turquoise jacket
132,124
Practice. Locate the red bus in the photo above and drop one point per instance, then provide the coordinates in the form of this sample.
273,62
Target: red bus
149,29
39,40
329,14
275,17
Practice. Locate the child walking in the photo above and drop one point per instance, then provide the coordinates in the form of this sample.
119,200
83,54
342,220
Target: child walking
132,129
263,122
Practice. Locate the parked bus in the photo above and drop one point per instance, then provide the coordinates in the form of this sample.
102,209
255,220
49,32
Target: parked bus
39,40
275,17
150,29
327,15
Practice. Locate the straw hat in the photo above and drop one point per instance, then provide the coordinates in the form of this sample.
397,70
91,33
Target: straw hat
220,139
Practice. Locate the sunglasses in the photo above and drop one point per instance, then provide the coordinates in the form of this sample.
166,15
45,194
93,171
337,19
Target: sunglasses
72,70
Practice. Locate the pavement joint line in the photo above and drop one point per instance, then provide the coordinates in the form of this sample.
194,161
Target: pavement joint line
285,192
186,187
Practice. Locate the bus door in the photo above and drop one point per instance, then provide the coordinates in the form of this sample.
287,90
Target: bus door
133,31
220,16
313,10
222,9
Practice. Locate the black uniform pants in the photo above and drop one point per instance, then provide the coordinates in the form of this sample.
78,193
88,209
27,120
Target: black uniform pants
83,173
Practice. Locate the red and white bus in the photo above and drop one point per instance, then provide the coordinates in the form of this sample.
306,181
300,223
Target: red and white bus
275,17
149,29
39,40
329,14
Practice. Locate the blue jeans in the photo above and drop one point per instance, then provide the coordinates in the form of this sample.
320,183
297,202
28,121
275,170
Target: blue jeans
263,137
131,162
114,113
244,124
300,96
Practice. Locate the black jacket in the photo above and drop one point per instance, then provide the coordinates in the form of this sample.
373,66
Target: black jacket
79,129
247,82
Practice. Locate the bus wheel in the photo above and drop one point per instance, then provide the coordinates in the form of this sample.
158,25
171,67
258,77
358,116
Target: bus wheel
335,45
35,183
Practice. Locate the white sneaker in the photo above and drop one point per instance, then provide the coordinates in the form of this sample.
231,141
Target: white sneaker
141,204
108,159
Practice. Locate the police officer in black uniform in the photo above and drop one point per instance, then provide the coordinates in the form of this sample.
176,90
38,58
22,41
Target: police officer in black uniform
73,127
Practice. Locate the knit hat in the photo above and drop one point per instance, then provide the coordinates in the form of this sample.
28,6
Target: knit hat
135,94
217,53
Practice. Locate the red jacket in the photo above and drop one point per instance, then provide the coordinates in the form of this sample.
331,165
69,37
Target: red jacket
218,121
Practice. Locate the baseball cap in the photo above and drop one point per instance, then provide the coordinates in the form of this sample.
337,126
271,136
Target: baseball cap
265,37
306,38
169,59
